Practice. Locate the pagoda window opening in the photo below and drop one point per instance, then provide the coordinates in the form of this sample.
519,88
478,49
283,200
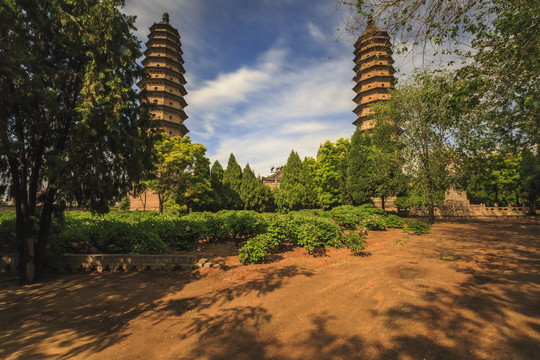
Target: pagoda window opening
155,88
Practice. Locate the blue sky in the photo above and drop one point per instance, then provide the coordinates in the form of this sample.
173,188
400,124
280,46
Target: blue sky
264,76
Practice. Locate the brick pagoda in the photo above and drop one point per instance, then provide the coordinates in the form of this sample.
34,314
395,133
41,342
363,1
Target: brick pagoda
165,81
164,85
374,72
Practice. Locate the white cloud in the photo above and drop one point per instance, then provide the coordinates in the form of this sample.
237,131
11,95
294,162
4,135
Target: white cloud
315,33
261,112
236,86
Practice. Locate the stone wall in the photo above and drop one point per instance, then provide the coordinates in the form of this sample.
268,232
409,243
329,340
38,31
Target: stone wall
467,211
112,262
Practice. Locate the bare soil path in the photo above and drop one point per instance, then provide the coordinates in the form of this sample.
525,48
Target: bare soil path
468,290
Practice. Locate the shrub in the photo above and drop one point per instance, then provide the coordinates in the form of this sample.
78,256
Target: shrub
354,241
374,222
312,232
7,232
417,227
394,221
257,250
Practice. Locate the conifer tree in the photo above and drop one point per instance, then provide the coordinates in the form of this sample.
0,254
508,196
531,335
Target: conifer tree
216,181
310,198
248,188
289,194
331,172
360,169
295,191
232,182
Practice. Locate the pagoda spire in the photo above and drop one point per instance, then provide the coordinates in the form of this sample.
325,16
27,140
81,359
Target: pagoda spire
374,74
164,83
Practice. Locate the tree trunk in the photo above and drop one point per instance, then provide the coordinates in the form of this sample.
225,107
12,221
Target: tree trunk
431,212
43,235
26,243
382,202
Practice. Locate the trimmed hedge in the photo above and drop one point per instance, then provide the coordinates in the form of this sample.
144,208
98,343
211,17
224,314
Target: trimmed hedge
262,234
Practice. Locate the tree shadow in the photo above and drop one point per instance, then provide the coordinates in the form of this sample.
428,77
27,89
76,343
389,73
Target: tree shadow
78,313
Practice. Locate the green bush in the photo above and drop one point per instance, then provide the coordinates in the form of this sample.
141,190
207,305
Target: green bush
257,250
7,232
312,232
354,241
417,227
374,222
394,221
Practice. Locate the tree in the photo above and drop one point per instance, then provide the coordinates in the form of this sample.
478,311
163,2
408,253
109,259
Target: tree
423,110
310,198
388,177
232,182
331,172
181,173
70,124
216,181
255,195
360,169
530,177
501,41
289,195
297,189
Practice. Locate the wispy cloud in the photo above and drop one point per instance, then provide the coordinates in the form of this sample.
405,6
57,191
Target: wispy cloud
260,113
315,33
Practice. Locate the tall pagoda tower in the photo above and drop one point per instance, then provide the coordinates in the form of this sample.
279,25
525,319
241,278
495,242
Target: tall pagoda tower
165,77
374,72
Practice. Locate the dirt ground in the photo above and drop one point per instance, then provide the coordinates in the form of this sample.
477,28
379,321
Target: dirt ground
468,290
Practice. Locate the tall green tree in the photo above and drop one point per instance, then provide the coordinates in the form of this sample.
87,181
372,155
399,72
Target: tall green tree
530,178
248,188
503,45
216,181
360,169
387,176
70,124
331,172
297,189
423,110
290,193
255,195
232,182
310,199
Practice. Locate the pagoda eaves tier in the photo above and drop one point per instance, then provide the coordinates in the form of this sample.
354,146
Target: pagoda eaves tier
164,83
374,73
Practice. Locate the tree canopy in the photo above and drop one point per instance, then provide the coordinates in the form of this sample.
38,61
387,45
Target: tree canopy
71,128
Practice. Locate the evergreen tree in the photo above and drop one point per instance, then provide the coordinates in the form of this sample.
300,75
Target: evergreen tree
310,198
289,194
297,189
232,183
216,181
248,188
388,177
360,169
255,195
331,172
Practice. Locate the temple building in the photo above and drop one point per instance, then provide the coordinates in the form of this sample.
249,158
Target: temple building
165,80
374,73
